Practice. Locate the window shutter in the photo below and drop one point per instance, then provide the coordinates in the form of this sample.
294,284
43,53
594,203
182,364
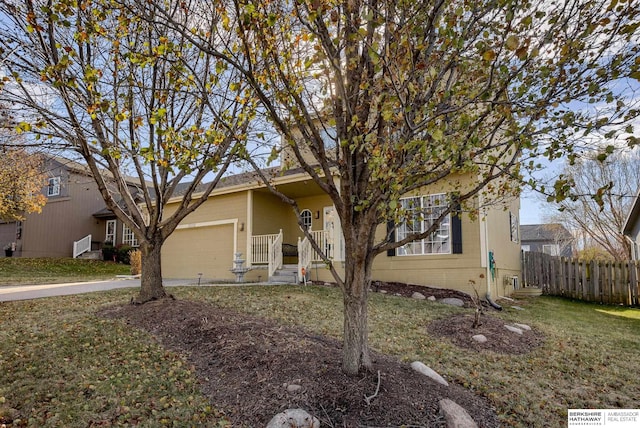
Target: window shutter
391,232
456,230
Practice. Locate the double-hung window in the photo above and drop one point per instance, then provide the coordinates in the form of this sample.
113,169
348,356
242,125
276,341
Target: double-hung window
53,188
420,213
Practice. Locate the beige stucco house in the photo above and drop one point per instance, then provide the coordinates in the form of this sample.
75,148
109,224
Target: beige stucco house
243,216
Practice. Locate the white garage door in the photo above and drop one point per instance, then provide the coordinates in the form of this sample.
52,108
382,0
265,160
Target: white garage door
207,250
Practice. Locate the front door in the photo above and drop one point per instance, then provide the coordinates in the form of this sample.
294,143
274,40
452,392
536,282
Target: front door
334,243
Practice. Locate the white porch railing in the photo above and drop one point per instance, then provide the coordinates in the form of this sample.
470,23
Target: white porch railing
305,255
321,238
260,245
81,246
275,254
267,250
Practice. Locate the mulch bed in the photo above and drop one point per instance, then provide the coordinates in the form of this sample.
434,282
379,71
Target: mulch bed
245,363
458,329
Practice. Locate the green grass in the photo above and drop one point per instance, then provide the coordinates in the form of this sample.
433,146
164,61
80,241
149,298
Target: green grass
60,365
18,270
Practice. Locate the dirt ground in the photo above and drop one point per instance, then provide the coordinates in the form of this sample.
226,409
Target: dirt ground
251,367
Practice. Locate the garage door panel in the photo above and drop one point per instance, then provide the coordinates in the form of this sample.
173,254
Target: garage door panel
206,250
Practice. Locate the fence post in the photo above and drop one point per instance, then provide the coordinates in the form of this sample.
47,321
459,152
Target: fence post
606,295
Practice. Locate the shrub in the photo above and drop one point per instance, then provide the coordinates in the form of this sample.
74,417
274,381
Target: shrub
135,260
108,252
123,253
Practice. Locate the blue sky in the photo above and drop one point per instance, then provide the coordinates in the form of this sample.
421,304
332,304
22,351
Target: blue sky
532,209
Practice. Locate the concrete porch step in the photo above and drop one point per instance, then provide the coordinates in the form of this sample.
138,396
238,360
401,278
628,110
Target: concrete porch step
527,292
91,255
288,274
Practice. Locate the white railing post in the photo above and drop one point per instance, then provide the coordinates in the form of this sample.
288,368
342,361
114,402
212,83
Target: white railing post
304,258
275,254
81,246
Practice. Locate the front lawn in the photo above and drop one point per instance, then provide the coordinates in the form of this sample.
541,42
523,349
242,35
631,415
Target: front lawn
18,270
60,365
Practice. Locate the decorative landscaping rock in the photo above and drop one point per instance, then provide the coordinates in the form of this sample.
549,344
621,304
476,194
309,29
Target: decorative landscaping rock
455,416
293,388
383,291
480,338
513,329
428,371
454,301
418,296
432,298
294,418
522,326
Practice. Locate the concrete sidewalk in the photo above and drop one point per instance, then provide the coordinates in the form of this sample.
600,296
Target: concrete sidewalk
27,292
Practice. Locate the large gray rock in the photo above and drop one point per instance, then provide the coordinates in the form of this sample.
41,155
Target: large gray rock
513,329
454,301
480,338
418,296
428,371
294,418
455,416
522,326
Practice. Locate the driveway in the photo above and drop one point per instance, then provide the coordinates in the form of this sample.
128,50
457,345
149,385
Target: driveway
26,292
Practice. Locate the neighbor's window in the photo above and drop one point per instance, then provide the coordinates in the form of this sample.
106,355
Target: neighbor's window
53,189
110,233
128,238
421,212
305,216
551,249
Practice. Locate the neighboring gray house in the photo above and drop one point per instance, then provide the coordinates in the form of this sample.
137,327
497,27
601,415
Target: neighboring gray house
631,228
551,238
74,211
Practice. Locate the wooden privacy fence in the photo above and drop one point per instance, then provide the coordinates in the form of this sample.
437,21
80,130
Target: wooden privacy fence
594,281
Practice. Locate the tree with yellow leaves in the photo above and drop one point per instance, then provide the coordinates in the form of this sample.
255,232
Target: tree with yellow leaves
21,182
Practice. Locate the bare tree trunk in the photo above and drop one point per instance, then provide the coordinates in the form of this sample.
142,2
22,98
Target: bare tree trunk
355,351
151,279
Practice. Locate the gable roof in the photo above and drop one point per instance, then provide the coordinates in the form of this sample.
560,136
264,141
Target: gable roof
633,217
544,232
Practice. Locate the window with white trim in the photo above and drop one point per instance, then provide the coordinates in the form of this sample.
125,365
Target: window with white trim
110,232
53,188
421,213
551,249
128,237
305,216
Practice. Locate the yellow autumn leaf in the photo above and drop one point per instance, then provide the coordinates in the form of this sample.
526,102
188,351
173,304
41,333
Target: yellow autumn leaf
489,55
512,42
